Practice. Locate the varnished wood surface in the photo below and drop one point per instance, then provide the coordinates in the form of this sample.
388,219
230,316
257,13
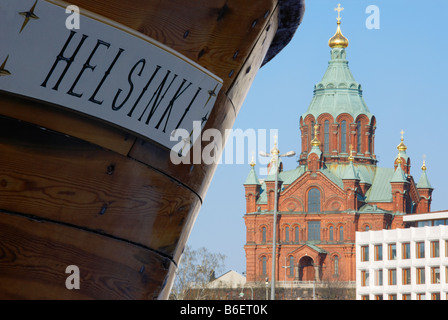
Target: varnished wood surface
94,190
219,34
56,177
35,255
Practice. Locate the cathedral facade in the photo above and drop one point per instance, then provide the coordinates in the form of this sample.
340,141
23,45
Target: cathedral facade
336,189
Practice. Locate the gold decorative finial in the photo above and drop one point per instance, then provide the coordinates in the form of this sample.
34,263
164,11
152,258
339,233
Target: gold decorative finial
424,164
275,150
338,40
350,157
398,158
401,146
252,163
315,141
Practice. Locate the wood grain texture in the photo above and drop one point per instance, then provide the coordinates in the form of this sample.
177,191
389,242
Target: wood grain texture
34,256
75,190
69,122
198,176
207,32
64,179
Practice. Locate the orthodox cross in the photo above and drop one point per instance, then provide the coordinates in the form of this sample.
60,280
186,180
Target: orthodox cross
339,9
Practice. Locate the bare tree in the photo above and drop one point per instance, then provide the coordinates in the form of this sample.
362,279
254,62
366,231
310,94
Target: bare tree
196,269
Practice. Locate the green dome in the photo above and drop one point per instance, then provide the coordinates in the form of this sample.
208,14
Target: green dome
338,92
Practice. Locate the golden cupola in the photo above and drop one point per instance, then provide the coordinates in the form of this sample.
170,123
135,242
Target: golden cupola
338,40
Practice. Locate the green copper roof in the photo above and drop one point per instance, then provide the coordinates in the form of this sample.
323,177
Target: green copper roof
338,92
252,178
399,175
423,182
350,173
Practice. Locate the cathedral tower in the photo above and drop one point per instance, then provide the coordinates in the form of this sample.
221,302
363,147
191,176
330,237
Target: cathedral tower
336,189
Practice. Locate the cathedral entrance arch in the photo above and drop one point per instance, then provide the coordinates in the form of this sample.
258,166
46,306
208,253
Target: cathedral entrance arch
306,269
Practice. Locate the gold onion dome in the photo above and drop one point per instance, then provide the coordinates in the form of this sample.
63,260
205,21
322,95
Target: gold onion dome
338,40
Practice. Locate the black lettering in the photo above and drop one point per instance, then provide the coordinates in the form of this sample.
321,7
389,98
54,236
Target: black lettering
115,108
61,57
170,105
188,108
106,74
86,65
143,91
157,101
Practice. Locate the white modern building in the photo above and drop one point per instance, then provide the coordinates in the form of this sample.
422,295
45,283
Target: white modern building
404,264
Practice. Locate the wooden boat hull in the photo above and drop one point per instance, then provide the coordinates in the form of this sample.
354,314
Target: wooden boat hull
76,190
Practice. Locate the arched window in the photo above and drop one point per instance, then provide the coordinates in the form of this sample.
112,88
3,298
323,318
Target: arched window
291,266
341,233
263,266
287,234
314,200
344,136
312,130
263,234
336,265
331,238
296,234
327,136
358,136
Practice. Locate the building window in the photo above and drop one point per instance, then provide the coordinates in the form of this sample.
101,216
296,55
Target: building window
314,200
392,297
392,251
263,266
364,278
291,266
446,275
446,248
406,296
406,276
312,130
379,277
336,266
379,297
435,296
420,275
392,277
296,234
341,233
344,136
420,296
406,250
331,238
365,253
379,252
365,297
313,230
327,136
358,136
420,249
435,249
435,275
263,234
287,234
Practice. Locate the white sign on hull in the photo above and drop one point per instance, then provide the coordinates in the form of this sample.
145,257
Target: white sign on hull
102,69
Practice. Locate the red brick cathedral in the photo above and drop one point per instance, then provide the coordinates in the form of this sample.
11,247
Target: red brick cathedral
336,190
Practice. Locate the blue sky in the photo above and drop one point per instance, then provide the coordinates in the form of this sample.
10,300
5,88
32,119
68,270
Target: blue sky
403,70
